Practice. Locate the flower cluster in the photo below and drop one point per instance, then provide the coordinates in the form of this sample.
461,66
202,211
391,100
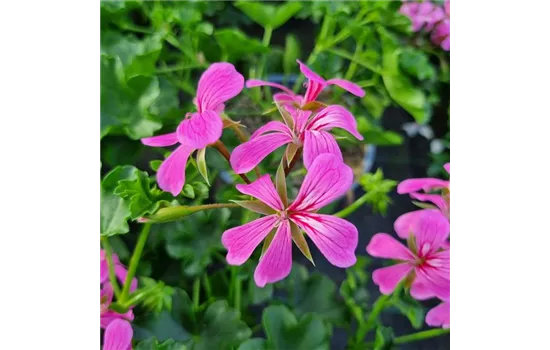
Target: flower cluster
118,331
425,264
431,18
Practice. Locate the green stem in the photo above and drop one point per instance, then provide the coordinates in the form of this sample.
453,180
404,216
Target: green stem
268,31
421,335
353,206
180,211
196,292
377,308
353,65
207,286
134,261
111,265
236,287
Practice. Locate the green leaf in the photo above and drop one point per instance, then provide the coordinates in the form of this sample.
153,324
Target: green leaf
125,103
153,344
237,45
259,295
138,57
409,308
153,295
135,187
417,64
284,332
222,328
300,241
194,240
114,211
256,206
375,135
188,191
280,182
291,54
383,339
402,91
253,344
377,188
155,164
269,16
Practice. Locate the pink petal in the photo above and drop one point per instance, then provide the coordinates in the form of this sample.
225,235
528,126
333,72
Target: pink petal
287,99
405,224
171,173
277,260
300,118
446,43
336,238
241,241
385,246
425,184
274,126
264,190
118,336
219,83
439,316
436,199
161,140
447,167
109,316
319,142
327,179
121,273
106,295
409,9
348,86
420,291
254,82
435,274
447,7
201,129
431,230
249,154
311,75
387,278
313,90
335,116
103,271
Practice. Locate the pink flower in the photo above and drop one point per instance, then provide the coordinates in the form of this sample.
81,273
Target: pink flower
315,85
118,336
308,129
422,14
107,316
413,186
327,179
425,260
120,271
441,35
219,83
439,316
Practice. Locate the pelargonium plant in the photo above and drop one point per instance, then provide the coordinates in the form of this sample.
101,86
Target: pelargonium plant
287,216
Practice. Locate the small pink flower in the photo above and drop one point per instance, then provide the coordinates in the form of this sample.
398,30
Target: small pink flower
309,130
425,260
107,316
118,336
423,15
441,35
120,271
219,83
327,179
442,201
315,85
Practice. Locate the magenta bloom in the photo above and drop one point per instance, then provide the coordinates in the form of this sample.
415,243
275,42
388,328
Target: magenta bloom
107,316
425,260
327,179
219,83
120,271
423,15
441,34
440,316
118,336
315,85
414,186
309,130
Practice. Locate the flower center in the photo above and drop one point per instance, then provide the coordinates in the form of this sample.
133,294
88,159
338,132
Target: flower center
283,215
